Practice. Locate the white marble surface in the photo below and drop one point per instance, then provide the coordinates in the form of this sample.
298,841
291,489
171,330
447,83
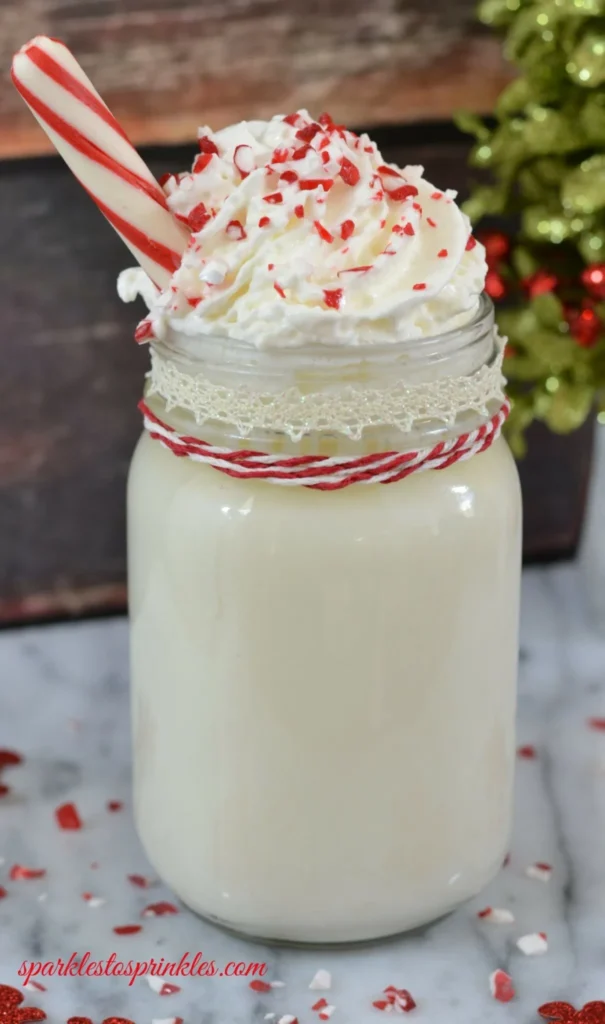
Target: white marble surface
63,703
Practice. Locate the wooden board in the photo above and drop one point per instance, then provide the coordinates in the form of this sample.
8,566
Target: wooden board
166,66
70,378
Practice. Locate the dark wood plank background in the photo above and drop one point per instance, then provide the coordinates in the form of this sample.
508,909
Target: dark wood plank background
70,375
166,66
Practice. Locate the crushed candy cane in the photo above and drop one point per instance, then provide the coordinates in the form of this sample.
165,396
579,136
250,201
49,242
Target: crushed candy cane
395,999
160,909
534,944
161,987
501,986
259,986
114,805
93,901
19,873
496,915
319,1005
10,758
327,1011
321,981
540,871
288,1018
68,818
597,723
34,986
527,752
140,881
127,929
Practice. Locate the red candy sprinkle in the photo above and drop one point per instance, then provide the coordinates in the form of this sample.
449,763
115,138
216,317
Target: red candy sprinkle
140,881
198,217
333,297
349,172
308,133
291,119
68,818
356,270
274,198
396,998
160,909
9,758
325,119
402,193
279,290
308,184
471,243
325,158
207,145
259,986
501,986
322,231
437,195
19,873
419,287
409,230
319,1005
114,805
301,152
346,229
236,231
442,254
264,221
527,752
289,177
279,156
270,266
164,178
597,723
127,929
431,223
383,169
299,211
201,162
243,158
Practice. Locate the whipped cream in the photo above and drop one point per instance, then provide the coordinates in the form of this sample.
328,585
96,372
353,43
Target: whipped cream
302,234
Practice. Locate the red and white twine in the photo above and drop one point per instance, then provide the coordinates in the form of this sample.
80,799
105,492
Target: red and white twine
324,472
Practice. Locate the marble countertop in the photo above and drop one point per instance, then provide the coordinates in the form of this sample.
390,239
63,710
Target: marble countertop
64,706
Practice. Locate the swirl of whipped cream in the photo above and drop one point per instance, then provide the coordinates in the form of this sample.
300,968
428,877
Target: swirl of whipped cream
302,234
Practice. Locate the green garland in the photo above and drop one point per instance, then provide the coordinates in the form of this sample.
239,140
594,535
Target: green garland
546,160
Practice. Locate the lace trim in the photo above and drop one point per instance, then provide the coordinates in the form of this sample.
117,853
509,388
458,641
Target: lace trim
348,411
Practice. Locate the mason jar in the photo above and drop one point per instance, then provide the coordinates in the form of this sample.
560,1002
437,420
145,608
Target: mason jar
323,673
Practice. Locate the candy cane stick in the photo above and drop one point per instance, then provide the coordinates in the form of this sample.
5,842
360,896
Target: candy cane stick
95,147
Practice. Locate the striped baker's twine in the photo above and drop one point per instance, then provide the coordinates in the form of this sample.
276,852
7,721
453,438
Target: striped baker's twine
323,472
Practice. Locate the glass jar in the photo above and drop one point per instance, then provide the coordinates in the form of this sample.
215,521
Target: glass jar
324,681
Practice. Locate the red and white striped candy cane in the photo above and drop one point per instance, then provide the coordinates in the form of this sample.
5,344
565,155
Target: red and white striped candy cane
95,147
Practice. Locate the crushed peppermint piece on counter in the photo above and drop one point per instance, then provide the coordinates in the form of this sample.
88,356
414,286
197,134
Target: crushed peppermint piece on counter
540,871
501,986
10,758
166,1020
19,873
321,981
319,1005
419,287
3,892
34,986
597,723
140,881
114,805
161,987
259,986
288,1018
93,901
159,909
527,752
127,929
4,790
327,1011
534,944
496,915
243,158
68,818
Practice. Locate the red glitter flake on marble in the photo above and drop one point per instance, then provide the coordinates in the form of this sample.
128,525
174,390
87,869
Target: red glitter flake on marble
442,254
333,297
346,229
10,758
68,818
598,724
19,873
11,1011
160,909
259,986
264,221
527,752
280,291
419,287
501,986
127,929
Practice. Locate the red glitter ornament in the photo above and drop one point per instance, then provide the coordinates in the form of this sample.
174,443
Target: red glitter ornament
494,285
540,283
591,1013
593,279
584,325
11,1011
497,246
